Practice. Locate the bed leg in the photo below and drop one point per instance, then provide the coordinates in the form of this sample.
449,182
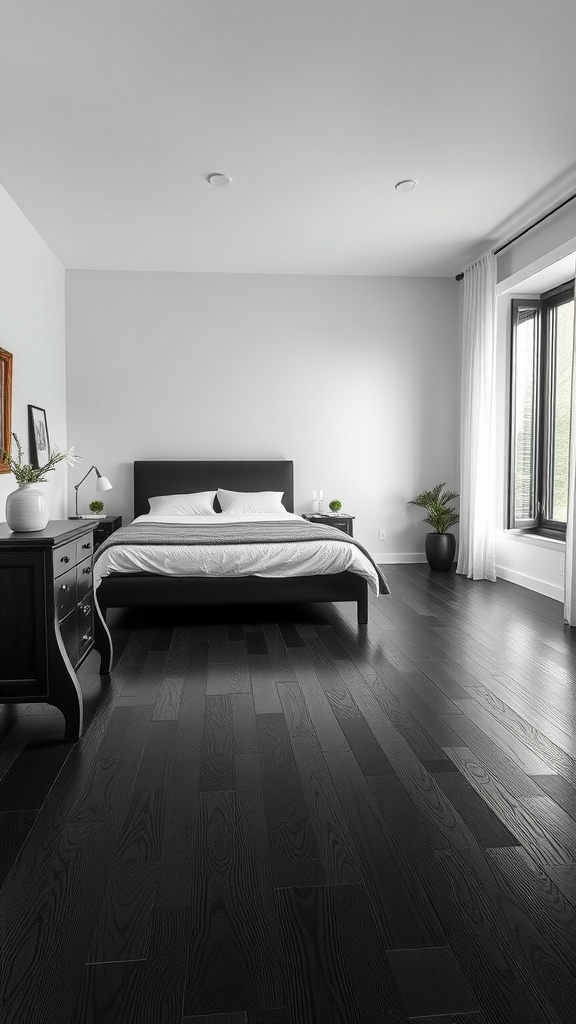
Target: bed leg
363,609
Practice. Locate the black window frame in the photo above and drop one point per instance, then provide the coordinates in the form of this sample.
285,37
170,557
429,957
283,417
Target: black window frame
545,354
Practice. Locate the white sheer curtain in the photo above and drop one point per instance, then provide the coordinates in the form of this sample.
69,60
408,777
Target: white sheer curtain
477,427
570,567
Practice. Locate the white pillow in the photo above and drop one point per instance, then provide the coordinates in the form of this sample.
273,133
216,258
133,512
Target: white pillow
199,504
243,502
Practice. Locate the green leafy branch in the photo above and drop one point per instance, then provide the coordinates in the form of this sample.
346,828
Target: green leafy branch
25,473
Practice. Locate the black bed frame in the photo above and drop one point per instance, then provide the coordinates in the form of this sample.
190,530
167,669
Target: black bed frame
143,589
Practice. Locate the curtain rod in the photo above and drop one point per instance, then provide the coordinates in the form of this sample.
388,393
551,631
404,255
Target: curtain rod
525,231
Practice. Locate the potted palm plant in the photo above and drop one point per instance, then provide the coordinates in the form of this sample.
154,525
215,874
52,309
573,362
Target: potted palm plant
440,545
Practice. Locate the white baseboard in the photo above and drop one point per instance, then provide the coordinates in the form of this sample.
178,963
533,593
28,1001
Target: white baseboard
531,583
396,557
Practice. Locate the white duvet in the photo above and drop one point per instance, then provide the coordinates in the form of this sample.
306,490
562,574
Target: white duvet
305,558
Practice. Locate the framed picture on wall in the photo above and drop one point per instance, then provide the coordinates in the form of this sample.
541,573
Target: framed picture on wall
38,436
5,404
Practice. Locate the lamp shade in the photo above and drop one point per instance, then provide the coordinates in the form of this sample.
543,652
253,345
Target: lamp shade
103,484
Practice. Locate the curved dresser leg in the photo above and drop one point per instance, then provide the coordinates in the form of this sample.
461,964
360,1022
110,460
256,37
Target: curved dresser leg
65,692
102,640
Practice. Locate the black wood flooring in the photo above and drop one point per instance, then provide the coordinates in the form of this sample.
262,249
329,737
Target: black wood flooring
276,816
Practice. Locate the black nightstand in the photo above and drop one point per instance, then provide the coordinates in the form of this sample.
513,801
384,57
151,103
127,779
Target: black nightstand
341,521
104,527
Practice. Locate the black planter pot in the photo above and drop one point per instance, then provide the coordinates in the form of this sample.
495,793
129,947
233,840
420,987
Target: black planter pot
440,549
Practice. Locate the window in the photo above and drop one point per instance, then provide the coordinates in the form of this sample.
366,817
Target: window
541,389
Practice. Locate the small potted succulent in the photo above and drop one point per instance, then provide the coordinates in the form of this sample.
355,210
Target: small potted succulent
440,545
97,508
335,505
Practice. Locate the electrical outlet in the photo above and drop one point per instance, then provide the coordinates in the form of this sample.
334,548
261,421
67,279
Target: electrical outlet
382,534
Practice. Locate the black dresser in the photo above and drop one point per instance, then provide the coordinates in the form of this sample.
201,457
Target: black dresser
46,615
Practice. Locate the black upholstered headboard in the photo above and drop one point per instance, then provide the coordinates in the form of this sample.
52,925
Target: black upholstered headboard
152,478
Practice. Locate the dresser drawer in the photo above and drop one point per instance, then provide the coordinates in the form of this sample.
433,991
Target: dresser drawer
84,547
85,622
64,557
84,579
85,635
65,593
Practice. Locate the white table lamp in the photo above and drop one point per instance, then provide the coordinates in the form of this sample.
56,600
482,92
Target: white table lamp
102,484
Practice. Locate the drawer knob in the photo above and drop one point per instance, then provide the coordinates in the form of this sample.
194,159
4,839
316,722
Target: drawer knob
85,638
64,558
87,546
86,572
64,587
86,609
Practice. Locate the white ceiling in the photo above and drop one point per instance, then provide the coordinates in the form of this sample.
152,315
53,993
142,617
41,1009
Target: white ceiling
112,113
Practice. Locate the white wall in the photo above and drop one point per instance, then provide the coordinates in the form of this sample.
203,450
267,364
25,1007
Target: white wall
355,379
32,328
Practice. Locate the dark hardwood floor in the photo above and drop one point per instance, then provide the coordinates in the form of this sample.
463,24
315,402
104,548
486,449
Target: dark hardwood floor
278,817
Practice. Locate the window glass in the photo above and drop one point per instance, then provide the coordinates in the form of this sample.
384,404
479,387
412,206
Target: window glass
563,332
525,387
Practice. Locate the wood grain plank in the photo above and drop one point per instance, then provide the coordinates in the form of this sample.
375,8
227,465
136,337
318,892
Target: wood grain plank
28,781
398,899
216,1018
154,764
333,839
60,881
559,791
183,783
144,687
508,740
326,727
280,665
294,855
149,991
231,675
298,721
266,699
431,982
123,926
217,753
484,824
178,865
167,706
541,827
335,962
479,932
14,828
516,781
245,740
276,1016
235,960
549,936
558,756
280,780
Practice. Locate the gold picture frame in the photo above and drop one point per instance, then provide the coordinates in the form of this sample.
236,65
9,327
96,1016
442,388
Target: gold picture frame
5,404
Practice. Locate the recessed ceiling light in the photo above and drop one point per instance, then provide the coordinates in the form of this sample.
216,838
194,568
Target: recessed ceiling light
406,185
218,180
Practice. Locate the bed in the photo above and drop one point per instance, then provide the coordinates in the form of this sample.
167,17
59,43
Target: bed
153,588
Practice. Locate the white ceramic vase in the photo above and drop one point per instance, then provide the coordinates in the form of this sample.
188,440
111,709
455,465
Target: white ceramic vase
27,509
